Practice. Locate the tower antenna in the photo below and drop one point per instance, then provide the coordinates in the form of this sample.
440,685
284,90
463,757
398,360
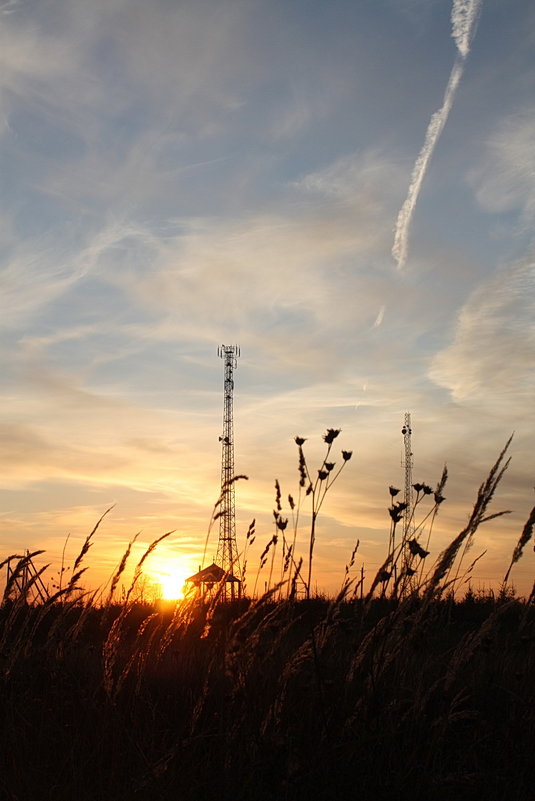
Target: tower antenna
407,464
24,579
227,549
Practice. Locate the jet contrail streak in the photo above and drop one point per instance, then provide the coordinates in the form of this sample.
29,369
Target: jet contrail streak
464,16
434,129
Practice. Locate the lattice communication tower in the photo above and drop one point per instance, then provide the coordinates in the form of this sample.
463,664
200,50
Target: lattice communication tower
227,549
24,579
407,464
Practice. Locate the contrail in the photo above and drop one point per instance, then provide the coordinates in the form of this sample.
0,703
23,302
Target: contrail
434,129
464,16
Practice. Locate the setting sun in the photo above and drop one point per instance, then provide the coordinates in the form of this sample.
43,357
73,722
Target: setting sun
171,579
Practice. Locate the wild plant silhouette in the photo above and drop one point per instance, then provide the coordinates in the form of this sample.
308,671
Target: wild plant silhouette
399,690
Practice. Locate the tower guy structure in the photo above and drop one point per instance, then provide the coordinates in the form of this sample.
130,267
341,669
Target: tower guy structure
227,549
406,464
24,579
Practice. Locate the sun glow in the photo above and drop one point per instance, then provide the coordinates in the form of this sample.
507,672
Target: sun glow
171,578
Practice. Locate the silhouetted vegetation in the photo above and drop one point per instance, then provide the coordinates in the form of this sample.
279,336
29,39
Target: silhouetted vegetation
269,700
404,692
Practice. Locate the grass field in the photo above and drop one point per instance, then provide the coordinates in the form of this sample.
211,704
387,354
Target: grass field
403,692
286,700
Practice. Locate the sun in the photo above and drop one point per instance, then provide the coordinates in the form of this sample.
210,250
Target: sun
171,578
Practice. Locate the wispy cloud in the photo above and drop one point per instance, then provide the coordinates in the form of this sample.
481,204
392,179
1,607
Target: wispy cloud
181,175
380,317
464,17
279,271
503,178
36,272
491,360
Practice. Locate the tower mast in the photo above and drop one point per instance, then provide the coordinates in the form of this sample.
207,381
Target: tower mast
227,549
407,467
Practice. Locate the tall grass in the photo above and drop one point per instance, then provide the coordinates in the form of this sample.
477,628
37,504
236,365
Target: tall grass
405,692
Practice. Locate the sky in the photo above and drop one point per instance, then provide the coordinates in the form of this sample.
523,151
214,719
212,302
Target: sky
344,189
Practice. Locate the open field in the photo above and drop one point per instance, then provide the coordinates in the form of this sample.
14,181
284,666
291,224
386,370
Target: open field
406,691
269,700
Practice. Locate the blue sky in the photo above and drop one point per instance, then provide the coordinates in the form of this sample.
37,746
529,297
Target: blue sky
178,175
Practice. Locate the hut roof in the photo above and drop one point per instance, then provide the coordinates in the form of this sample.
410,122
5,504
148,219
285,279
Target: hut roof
211,574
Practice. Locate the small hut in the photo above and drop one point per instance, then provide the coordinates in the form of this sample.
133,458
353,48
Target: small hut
213,575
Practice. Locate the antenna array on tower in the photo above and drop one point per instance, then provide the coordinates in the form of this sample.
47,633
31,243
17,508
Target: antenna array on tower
227,549
407,467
